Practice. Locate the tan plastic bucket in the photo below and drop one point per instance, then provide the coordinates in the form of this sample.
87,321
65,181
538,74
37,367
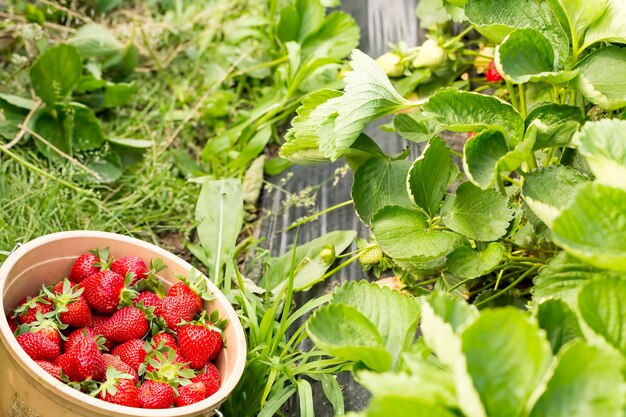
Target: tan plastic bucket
26,390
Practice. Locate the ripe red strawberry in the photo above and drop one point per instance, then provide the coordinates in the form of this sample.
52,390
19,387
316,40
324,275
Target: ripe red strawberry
210,378
166,339
38,347
193,286
492,74
190,394
105,290
26,311
70,306
82,361
115,362
50,368
131,352
148,298
198,342
13,324
58,288
119,388
86,333
97,323
180,289
156,394
130,264
125,324
48,328
471,135
175,310
88,264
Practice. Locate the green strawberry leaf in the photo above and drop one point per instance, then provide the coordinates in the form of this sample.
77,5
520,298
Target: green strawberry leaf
463,111
549,190
299,19
608,21
56,72
468,263
335,38
415,127
477,214
601,305
579,15
555,124
507,356
430,175
601,77
560,323
587,381
593,227
562,278
404,234
341,330
394,315
368,95
378,183
603,144
526,55
496,19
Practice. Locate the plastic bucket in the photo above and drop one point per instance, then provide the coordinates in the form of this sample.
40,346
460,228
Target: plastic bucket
26,390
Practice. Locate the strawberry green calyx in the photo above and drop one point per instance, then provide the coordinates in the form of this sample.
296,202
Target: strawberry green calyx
165,365
31,302
109,386
197,282
68,295
128,293
104,262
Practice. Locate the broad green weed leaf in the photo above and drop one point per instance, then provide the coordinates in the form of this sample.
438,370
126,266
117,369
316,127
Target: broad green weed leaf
609,27
587,382
468,263
56,72
378,183
56,129
549,190
593,227
12,113
17,101
132,143
603,144
415,127
219,213
342,331
602,77
526,55
560,323
507,356
368,95
496,19
562,278
87,133
310,267
108,167
463,111
601,305
95,40
478,214
430,175
404,234
335,38
555,124
394,315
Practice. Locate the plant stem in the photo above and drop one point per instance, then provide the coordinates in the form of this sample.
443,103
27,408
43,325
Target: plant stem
316,215
512,285
548,157
522,101
513,95
458,37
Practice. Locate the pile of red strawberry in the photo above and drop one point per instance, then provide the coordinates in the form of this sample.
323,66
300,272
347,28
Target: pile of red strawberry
110,331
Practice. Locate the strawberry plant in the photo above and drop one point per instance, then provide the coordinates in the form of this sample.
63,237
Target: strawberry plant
533,176
563,359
